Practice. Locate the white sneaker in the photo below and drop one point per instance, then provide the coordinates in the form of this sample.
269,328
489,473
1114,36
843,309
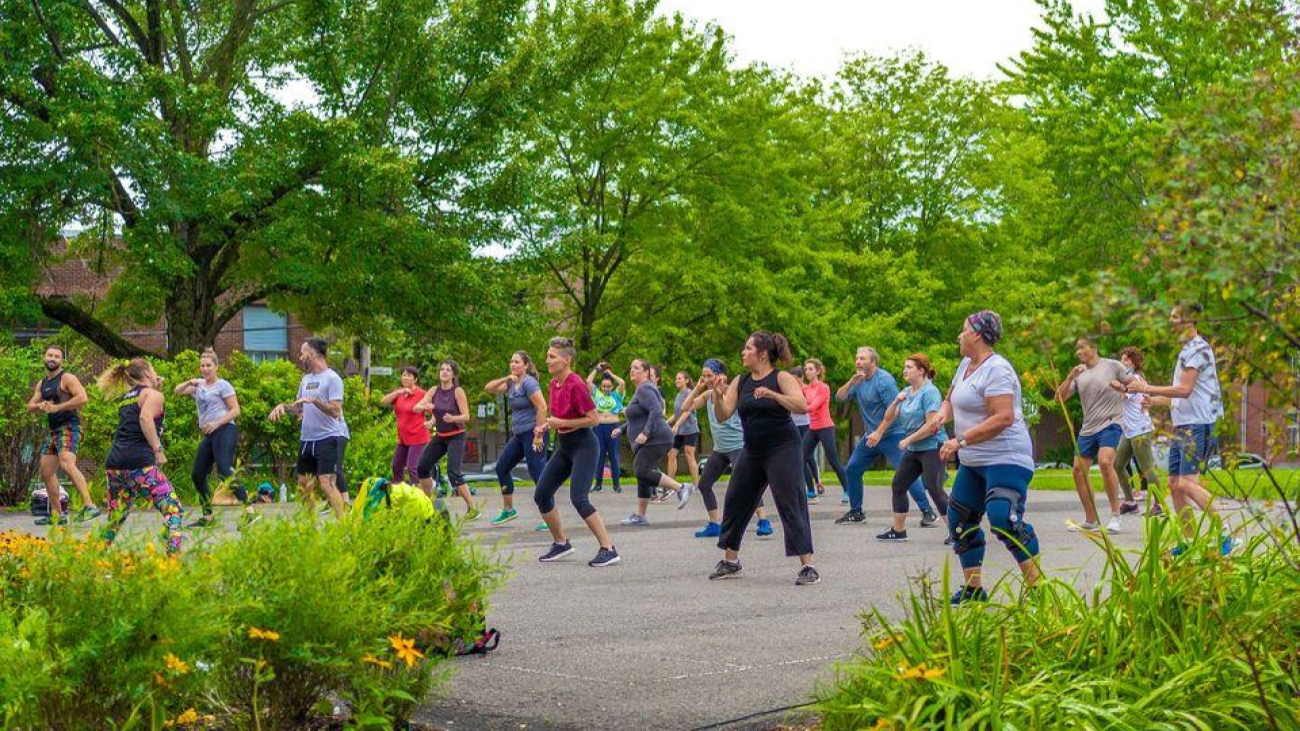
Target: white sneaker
684,494
1081,527
1113,525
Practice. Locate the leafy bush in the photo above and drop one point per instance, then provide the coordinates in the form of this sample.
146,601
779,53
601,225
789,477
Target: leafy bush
256,632
1193,642
20,432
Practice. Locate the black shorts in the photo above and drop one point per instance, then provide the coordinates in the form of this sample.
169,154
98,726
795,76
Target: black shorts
686,440
320,457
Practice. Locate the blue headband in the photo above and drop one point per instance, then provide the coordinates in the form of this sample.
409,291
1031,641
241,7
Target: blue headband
715,365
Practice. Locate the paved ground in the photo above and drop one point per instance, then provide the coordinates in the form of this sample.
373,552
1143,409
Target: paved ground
651,643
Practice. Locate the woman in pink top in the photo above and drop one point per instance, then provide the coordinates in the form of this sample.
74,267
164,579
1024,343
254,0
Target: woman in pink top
412,432
822,428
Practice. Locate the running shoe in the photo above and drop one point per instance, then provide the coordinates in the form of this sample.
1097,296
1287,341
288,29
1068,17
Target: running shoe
557,552
1114,525
202,522
541,527
892,535
471,514
712,530
812,494
89,512
1140,495
853,516
1082,527
764,528
635,519
929,518
1156,511
807,576
684,494
45,520
597,488
968,594
618,488
1230,544
726,570
1129,508
505,516
820,489
605,557
948,541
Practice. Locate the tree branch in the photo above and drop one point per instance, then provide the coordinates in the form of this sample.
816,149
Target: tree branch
1289,336
85,324
128,21
239,303
103,25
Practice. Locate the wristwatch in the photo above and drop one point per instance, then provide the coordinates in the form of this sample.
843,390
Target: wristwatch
961,443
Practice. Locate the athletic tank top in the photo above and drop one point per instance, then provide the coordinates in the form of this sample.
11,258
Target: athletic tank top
444,405
50,391
130,450
765,423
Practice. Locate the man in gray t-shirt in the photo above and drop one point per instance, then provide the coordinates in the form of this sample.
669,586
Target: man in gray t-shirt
1100,432
324,431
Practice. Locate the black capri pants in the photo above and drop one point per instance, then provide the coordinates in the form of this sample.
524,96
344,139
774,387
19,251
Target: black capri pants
643,466
929,468
454,448
574,460
217,448
781,467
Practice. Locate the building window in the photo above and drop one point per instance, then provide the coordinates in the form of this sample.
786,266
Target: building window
266,334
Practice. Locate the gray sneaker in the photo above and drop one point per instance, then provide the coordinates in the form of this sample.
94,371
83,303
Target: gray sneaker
635,519
726,570
807,575
684,495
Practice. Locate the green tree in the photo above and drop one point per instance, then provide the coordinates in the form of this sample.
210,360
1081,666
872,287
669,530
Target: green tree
170,125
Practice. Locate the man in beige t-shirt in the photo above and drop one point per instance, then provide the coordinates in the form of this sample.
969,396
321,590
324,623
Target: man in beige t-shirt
1100,432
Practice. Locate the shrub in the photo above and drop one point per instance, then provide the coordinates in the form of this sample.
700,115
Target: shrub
256,632
20,432
1195,642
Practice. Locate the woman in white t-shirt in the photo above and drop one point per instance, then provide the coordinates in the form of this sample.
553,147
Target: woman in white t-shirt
1138,434
218,408
994,453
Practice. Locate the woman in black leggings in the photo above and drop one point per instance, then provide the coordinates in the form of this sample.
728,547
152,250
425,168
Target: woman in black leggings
449,407
573,414
218,408
651,439
772,455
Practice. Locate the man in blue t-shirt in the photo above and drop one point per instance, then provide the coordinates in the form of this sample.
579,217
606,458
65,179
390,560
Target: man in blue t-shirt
324,432
873,388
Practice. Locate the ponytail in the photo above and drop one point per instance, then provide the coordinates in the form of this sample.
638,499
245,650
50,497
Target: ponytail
118,378
774,345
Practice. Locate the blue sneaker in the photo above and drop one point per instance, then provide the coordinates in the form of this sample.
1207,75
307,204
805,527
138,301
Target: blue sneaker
1229,545
1178,550
968,594
764,528
712,530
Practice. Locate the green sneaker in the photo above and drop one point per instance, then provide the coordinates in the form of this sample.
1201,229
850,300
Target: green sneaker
88,513
505,516
541,527
472,514
63,520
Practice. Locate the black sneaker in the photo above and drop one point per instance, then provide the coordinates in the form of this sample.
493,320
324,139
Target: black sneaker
969,594
605,557
1129,508
892,535
557,552
948,541
929,518
853,516
807,575
726,570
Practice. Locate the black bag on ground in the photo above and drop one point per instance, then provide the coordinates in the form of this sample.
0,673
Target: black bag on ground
40,503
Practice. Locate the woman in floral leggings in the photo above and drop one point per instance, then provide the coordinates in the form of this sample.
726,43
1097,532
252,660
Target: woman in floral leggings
136,455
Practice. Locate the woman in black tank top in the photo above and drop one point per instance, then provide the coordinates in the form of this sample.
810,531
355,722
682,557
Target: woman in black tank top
772,455
137,451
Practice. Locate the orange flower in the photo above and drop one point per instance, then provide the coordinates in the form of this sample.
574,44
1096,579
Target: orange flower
405,649
263,634
920,672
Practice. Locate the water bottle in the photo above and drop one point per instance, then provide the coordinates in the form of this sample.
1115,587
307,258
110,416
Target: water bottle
284,493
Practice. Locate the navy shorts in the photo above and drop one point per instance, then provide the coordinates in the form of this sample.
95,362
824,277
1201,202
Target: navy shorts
1092,444
1189,447
686,440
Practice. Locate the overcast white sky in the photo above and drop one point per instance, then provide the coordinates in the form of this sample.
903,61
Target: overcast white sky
810,37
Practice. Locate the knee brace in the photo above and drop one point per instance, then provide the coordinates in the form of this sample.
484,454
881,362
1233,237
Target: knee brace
1010,528
965,529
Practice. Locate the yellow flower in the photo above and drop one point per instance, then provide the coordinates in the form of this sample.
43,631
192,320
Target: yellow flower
176,665
187,718
405,649
263,634
882,725
376,661
920,672
883,643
